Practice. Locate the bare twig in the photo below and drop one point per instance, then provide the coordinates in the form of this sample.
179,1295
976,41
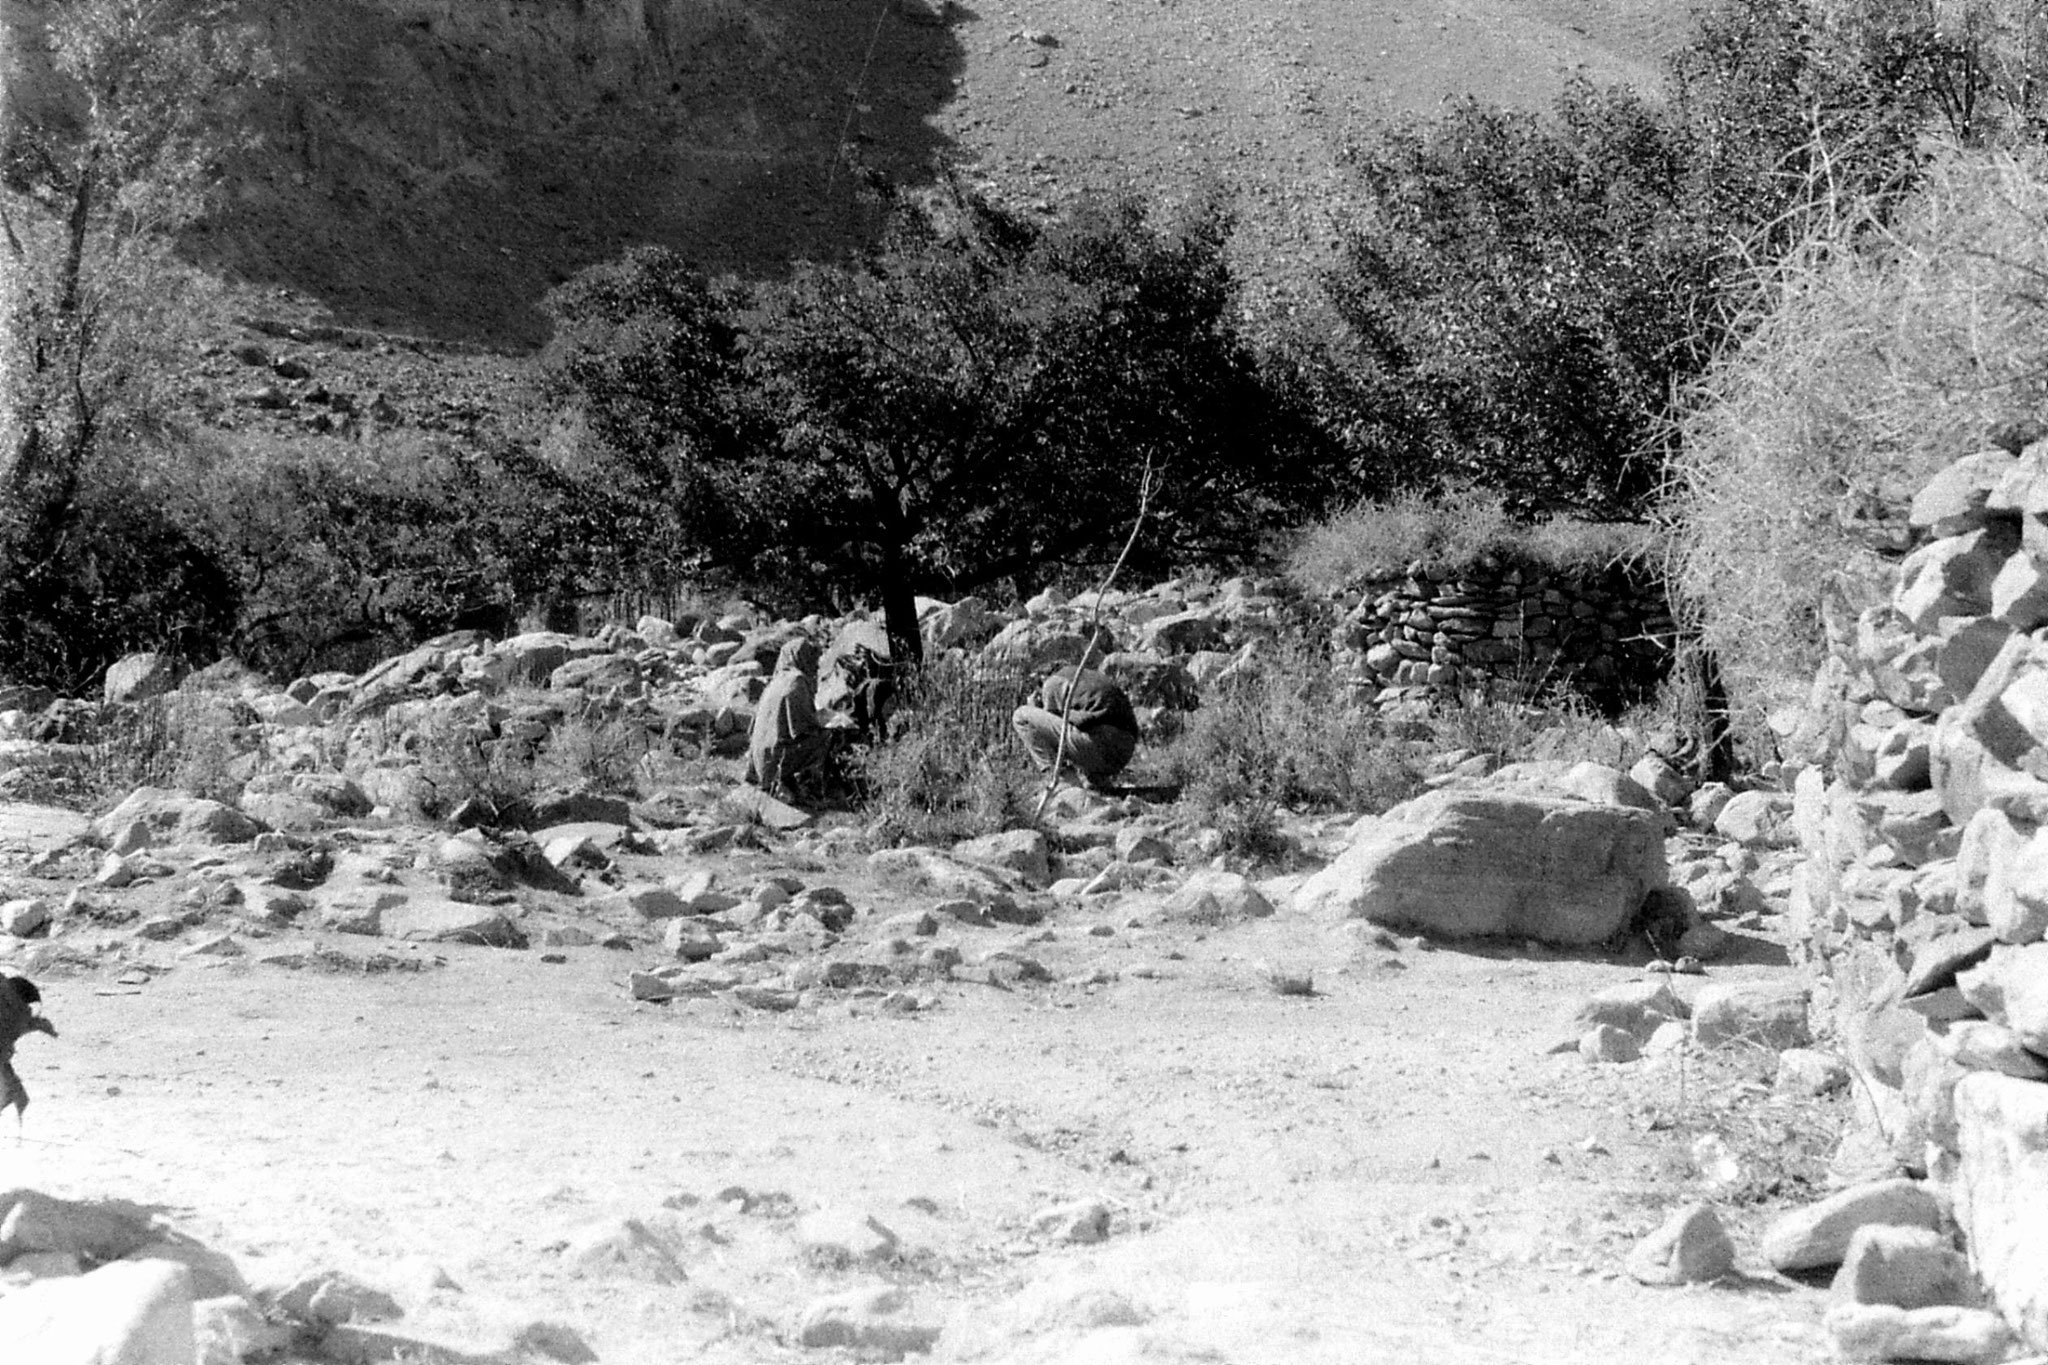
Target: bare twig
1059,759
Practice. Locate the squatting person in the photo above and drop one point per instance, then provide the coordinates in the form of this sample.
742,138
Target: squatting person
1101,729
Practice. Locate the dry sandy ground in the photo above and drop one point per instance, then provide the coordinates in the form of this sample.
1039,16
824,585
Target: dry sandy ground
1388,1170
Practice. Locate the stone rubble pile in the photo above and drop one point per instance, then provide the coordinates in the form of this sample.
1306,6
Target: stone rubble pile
1923,894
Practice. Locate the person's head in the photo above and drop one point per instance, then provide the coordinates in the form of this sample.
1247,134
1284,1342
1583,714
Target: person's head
798,656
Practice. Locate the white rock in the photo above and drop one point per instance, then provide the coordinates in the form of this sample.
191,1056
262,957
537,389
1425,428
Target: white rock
1873,1332
1818,1235
126,1313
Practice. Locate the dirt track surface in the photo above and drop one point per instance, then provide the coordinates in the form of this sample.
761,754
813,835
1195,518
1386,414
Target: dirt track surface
1385,1171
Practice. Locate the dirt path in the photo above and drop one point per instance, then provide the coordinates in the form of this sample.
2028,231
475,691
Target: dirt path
1385,1171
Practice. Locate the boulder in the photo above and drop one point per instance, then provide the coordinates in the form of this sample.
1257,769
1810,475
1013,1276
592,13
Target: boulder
172,817
1216,897
1961,1336
1757,818
1763,1013
1692,1246
429,920
2010,987
139,677
1023,851
1466,863
2001,1193
1904,1267
126,1313
1979,753
1818,1235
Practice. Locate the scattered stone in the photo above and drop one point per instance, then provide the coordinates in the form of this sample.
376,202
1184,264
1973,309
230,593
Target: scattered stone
623,1250
1880,1332
1808,1073
1215,897
1756,818
229,1329
1692,1246
1906,1267
869,1321
332,1297
1605,1043
845,1236
1023,851
1082,1220
1818,1236
1762,1013
24,918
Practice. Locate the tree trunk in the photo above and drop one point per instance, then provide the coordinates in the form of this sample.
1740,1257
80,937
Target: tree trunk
899,609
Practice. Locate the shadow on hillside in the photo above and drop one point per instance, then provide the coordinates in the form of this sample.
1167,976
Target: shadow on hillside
437,171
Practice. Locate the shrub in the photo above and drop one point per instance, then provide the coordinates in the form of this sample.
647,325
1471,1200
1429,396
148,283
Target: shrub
1450,530
607,755
1875,356
954,770
461,763
1284,738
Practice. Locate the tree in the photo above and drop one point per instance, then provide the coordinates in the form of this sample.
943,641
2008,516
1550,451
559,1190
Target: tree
1521,298
104,156
977,399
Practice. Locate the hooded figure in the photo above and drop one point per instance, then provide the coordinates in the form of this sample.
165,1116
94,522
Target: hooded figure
18,999
789,750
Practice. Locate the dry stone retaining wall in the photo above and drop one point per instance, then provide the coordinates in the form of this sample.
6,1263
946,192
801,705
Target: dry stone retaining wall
1924,890
1605,633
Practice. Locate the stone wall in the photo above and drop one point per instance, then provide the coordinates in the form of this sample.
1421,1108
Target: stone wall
1604,633
1923,895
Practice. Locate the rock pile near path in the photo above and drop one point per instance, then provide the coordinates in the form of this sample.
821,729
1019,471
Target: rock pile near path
107,1283
1924,890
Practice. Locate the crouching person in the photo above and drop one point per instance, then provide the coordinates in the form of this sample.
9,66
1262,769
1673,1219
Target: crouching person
791,752
1101,729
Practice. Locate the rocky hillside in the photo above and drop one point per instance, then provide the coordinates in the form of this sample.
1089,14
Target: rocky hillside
433,167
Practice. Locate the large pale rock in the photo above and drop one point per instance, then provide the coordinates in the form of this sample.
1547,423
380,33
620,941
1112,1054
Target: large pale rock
138,677
2001,1193
172,817
2010,987
1818,1235
1215,897
1764,1013
1990,845
1955,500
1469,863
874,1322
1952,576
2019,595
126,1313
1023,851
1759,818
430,920
1981,745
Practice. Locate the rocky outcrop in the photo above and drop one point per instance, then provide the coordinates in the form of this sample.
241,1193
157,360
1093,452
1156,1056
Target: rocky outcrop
1924,891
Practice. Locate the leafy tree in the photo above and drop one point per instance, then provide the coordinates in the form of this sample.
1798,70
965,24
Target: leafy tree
980,397
1521,297
102,160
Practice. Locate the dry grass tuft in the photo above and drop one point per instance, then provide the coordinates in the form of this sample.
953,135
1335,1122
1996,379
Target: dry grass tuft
1450,531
